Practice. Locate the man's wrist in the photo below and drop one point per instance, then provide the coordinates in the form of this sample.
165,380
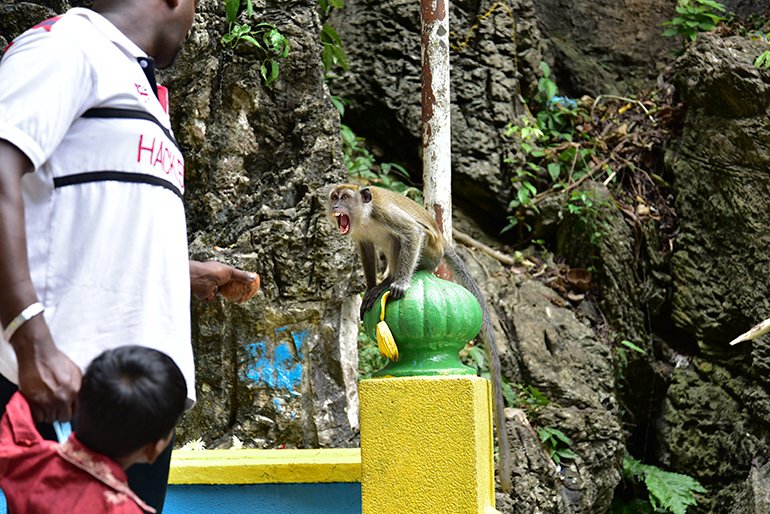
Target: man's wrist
25,315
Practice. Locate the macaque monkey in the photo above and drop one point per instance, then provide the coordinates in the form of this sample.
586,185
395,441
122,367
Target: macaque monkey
411,240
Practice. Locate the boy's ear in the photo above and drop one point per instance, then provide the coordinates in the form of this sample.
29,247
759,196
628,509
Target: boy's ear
153,450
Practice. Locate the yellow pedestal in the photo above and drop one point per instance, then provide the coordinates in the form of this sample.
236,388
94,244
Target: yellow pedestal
426,445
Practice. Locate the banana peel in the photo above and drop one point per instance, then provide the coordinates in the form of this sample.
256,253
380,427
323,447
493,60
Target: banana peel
385,341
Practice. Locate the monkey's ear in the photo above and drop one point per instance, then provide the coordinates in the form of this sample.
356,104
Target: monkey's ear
366,194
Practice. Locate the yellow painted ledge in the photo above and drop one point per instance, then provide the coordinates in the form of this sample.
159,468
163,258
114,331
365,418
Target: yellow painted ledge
265,466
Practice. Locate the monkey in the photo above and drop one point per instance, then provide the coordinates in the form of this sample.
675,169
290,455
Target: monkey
411,240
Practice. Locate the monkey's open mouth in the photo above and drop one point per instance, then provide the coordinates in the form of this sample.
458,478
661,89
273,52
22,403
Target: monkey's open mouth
343,223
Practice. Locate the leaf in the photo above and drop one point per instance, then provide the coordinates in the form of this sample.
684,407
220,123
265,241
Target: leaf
671,491
231,9
327,56
561,436
277,42
341,57
478,356
554,170
632,346
523,196
228,38
329,34
532,189
251,40
566,453
763,60
338,104
508,393
545,69
393,166
551,89
269,71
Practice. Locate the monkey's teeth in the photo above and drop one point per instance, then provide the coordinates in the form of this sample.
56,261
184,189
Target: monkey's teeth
343,223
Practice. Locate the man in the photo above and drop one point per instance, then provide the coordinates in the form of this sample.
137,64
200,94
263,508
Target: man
93,243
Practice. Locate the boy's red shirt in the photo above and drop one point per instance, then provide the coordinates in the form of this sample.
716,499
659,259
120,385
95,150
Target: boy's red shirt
42,476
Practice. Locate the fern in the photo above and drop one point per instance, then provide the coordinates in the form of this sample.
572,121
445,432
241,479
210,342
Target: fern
671,492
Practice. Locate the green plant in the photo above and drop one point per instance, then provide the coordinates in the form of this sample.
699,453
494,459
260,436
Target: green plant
587,211
369,357
693,16
763,60
271,45
667,491
333,54
554,151
556,443
362,165
631,346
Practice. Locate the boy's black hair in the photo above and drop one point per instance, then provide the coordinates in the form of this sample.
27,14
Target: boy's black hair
130,396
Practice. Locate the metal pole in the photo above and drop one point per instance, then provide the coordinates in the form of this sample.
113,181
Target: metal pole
436,134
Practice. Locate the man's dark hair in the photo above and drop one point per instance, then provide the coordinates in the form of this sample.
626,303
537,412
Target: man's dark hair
130,396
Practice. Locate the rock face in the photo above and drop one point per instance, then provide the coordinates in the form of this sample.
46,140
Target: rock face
716,408
495,47
281,369
606,46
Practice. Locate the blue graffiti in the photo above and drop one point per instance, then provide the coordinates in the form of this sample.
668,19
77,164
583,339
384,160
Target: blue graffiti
280,368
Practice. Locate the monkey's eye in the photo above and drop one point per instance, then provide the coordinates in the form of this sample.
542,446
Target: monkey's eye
333,196
345,196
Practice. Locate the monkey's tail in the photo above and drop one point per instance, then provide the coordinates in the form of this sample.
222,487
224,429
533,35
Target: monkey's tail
488,338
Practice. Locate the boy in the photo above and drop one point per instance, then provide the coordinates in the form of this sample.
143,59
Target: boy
128,405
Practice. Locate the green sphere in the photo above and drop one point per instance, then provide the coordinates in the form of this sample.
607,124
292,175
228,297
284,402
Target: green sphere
430,324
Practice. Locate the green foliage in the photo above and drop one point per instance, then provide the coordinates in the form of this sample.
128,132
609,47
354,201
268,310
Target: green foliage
369,357
556,443
587,210
333,54
363,166
763,60
270,43
693,16
556,152
668,492
521,396
628,344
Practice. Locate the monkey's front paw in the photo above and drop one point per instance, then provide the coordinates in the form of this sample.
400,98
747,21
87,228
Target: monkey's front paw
397,291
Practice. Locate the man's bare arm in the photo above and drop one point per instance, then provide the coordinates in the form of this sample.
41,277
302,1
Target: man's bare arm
48,379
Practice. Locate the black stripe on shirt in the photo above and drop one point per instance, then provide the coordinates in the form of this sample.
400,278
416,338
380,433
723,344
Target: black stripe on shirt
116,176
114,112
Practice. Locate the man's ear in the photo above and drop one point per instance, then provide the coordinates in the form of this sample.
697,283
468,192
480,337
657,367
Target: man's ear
366,194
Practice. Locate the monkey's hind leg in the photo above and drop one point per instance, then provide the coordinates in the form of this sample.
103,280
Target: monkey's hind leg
371,295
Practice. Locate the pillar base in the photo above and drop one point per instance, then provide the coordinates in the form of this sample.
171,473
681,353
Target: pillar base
426,445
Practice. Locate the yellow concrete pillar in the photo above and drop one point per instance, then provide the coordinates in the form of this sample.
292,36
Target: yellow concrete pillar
426,445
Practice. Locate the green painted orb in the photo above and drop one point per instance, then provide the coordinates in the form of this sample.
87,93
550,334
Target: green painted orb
430,324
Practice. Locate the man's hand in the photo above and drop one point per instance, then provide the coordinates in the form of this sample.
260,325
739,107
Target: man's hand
207,279
48,379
